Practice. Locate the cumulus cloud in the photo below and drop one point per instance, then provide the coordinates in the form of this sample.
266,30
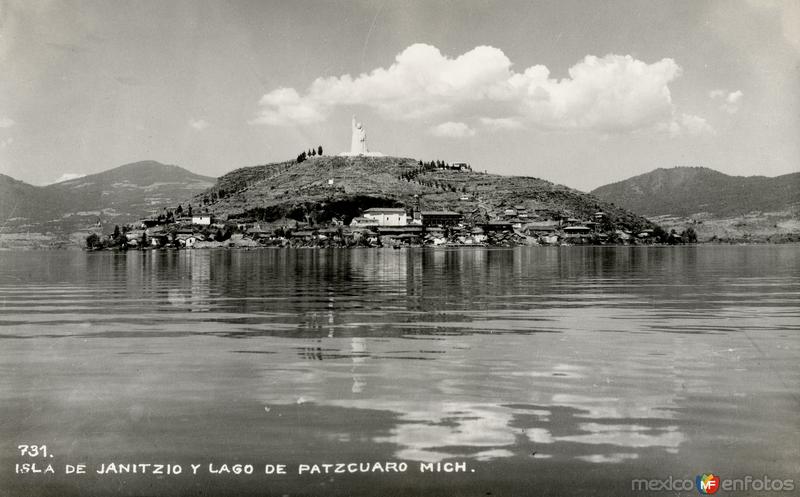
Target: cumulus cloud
198,124
6,142
688,125
696,125
6,122
610,93
729,101
452,129
285,106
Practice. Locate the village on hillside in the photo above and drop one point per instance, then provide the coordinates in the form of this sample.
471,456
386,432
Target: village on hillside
393,226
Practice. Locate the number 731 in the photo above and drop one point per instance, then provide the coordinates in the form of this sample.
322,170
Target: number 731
32,450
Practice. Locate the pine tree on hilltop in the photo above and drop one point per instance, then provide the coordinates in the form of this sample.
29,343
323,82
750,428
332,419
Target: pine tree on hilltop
319,150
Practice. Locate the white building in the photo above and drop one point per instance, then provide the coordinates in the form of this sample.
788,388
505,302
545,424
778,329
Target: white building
387,216
201,220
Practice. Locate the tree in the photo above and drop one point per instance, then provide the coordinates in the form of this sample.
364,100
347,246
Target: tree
689,235
190,210
660,235
319,150
93,242
144,240
179,210
116,232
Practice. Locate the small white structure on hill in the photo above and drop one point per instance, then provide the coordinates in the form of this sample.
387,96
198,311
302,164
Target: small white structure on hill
201,220
358,142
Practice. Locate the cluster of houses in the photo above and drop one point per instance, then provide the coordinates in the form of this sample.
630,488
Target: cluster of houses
516,223
183,232
383,226
398,226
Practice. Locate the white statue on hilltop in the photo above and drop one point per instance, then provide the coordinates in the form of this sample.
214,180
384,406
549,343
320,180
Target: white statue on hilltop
358,141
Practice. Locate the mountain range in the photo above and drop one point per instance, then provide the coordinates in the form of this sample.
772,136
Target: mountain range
686,191
719,207
117,196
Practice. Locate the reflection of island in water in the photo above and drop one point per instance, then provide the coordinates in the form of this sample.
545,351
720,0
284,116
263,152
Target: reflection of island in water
557,408
567,359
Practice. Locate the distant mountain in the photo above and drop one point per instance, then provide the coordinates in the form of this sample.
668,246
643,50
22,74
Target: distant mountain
116,196
685,191
322,188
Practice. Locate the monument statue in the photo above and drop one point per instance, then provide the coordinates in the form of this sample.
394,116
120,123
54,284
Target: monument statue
358,141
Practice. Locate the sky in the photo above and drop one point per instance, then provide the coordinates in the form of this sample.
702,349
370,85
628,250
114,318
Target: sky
579,93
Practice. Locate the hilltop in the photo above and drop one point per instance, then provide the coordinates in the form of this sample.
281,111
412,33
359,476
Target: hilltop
117,196
719,206
322,188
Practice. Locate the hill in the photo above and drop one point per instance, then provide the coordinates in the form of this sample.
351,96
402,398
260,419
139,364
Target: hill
117,196
323,188
684,191
718,206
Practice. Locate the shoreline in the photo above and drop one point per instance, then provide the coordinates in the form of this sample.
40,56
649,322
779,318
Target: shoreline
431,247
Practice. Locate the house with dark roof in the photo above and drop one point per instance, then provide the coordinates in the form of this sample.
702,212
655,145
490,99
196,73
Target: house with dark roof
440,218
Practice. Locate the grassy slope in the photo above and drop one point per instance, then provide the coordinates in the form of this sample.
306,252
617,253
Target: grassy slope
294,189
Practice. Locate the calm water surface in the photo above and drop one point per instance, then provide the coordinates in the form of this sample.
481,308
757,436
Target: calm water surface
548,371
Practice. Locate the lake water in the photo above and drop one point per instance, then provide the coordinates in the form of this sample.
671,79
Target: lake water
541,371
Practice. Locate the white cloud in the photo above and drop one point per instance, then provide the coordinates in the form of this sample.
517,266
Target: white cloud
284,106
498,123
6,122
68,176
734,97
610,93
730,101
688,125
452,129
6,142
198,124
696,125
